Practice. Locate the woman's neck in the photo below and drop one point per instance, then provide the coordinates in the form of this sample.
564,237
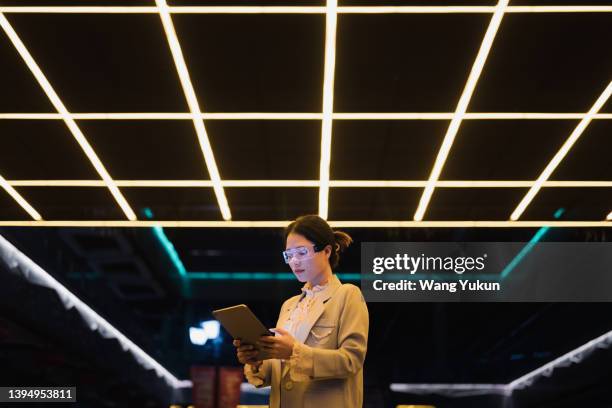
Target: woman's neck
322,279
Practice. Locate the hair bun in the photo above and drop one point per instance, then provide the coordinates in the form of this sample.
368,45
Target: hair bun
343,240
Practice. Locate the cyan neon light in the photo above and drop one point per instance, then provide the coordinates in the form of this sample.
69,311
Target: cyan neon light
167,245
176,260
349,276
527,248
259,276
148,213
342,276
169,248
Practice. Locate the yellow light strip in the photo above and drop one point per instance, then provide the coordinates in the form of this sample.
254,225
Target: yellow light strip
466,95
20,200
248,10
469,9
313,183
301,9
331,21
301,116
78,10
262,116
194,107
470,116
70,123
559,9
554,162
334,224
465,183
414,9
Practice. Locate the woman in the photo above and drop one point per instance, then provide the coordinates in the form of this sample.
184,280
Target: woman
321,336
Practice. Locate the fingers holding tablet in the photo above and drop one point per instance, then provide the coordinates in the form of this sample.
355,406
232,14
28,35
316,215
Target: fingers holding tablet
246,353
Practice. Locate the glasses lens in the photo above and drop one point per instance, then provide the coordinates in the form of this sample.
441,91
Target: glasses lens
299,254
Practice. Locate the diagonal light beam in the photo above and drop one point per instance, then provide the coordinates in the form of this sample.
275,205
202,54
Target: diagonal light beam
554,162
194,107
573,356
453,128
331,22
20,200
70,123
35,274
528,247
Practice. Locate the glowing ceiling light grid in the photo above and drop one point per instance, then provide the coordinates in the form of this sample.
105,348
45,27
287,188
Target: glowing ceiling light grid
312,183
302,9
554,162
302,116
334,224
331,22
70,123
327,116
194,107
464,100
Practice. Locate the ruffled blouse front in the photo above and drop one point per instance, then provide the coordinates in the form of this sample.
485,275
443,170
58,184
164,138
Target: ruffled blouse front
301,360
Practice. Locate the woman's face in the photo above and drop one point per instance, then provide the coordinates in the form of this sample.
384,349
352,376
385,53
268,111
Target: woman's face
311,267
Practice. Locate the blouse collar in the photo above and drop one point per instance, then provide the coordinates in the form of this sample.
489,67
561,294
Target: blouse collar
318,290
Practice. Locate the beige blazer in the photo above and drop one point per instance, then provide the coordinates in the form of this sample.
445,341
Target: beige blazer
337,354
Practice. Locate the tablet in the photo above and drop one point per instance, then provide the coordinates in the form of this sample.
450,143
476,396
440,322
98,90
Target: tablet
241,323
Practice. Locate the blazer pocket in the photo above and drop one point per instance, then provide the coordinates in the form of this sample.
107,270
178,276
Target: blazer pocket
321,333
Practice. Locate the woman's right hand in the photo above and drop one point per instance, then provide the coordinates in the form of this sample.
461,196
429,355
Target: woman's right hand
247,354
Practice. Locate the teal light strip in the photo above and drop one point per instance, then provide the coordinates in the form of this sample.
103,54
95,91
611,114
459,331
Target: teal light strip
259,276
345,277
167,245
527,248
169,248
176,260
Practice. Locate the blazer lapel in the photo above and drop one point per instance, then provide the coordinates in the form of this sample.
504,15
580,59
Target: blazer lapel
286,313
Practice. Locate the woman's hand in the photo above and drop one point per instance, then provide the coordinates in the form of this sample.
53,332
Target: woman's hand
278,346
247,354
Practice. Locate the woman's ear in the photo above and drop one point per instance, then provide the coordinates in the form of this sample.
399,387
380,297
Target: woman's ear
328,251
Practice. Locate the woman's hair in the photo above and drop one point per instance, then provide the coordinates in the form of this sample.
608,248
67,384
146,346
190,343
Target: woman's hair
318,231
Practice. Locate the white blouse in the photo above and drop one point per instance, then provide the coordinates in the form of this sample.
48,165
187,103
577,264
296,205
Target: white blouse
300,363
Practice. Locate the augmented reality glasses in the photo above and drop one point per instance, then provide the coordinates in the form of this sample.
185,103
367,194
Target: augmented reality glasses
302,253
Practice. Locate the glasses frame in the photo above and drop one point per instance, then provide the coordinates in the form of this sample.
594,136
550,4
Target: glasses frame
316,247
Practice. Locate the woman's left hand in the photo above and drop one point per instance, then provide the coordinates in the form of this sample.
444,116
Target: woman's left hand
279,346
